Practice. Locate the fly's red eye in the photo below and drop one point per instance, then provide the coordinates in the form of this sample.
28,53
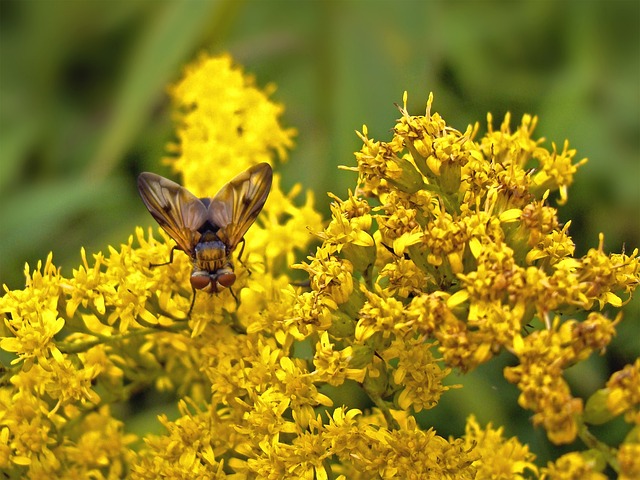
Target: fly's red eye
227,279
200,281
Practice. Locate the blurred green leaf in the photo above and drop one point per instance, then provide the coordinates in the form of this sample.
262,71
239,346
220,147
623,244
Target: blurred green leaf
157,55
47,214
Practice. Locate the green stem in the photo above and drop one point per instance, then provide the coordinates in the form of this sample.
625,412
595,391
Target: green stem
384,407
109,339
592,442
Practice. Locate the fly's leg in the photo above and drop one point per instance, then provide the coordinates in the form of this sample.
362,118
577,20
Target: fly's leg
151,265
193,300
240,258
234,297
240,255
193,290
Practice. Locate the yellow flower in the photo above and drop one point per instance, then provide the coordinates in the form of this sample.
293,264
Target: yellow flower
624,392
572,466
330,276
556,170
101,438
543,355
418,374
298,385
381,314
500,458
334,366
226,124
629,458
283,226
33,340
188,450
402,278
30,437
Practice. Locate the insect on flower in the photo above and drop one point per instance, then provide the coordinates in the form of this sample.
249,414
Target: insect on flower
208,229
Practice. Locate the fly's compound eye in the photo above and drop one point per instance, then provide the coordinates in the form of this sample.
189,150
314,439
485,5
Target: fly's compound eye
200,282
225,280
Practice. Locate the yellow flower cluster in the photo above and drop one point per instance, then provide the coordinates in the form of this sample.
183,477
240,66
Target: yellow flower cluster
224,124
448,246
441,256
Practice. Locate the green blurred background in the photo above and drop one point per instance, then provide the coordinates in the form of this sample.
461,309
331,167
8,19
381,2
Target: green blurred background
83,109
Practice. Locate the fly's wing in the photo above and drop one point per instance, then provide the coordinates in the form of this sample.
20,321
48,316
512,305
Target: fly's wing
237,204
177,211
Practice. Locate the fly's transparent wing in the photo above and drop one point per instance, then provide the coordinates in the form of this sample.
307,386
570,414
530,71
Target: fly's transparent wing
177,211
237,204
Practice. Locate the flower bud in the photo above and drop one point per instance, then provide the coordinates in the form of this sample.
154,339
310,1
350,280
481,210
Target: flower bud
406,178
342,325
596,411
360,256
361,357
376,380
